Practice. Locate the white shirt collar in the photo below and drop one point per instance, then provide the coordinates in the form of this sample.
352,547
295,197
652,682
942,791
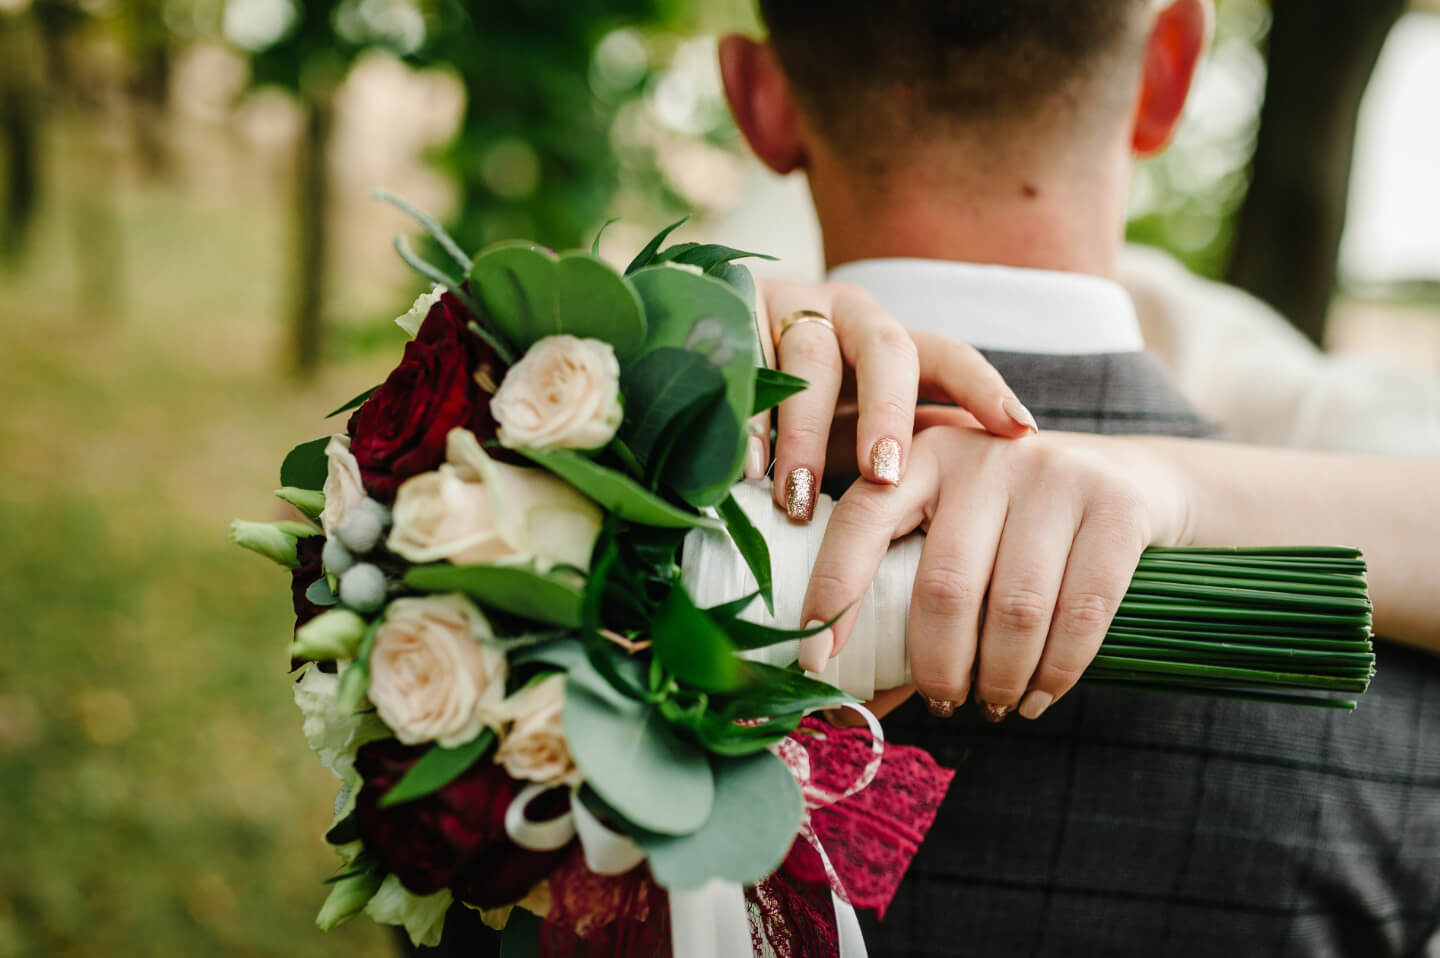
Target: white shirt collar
1001,307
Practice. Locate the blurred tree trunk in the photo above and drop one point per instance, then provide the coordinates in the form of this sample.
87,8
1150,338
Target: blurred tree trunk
19,137
1287,240
151,92
312,195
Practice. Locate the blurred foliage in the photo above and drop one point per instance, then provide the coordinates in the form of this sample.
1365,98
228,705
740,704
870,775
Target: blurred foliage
1185,200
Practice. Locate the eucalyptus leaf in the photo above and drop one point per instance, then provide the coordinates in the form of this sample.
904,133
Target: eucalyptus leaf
772,387
615,491
636,762
659,388
752,547
703,315
436,769
738,278
319,592
694,647
699,463
529,293
554,599
306,466
757,813
647,255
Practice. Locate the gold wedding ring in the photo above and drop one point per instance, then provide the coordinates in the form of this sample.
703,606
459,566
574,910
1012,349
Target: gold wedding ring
802,316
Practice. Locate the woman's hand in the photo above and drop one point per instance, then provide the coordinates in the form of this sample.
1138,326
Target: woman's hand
823,332
1030,547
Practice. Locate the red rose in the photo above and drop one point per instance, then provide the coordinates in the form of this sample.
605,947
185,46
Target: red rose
430,842
400,431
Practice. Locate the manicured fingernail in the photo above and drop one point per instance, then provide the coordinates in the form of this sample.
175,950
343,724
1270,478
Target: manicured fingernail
940,708
800,494
815,649
755,459
993,713
885,460
1034,704
1016,410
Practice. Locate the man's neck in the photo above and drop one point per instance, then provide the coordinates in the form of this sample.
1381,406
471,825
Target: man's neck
1038,219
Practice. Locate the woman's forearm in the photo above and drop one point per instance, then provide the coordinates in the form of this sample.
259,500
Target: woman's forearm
1235,495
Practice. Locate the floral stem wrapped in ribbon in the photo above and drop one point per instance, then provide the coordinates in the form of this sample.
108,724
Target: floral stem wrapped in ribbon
529,708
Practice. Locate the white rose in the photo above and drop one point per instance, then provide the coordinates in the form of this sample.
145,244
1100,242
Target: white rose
344,490
535,749
433,678
415,317
475,510
563,393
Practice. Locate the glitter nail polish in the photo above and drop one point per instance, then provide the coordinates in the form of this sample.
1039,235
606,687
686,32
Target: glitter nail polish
800,494
885,460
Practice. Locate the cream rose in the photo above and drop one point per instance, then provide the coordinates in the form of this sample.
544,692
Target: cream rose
563,393
344,490
433,678
475,510
535,749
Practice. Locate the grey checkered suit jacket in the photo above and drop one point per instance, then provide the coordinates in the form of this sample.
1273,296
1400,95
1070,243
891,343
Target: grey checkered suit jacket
1131,823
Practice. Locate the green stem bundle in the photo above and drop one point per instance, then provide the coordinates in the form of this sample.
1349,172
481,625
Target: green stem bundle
1289,625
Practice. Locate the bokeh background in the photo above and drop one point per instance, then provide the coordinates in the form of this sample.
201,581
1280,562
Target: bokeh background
192,273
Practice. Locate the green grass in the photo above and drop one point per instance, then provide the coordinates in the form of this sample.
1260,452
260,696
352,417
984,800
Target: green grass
156,797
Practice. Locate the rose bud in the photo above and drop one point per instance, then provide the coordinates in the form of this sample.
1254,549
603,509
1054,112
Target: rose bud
273,540
348,897
344,488
335,634
564,393
308,501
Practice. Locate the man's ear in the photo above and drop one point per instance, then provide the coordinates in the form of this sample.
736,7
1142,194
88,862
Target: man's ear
760,98
1177,39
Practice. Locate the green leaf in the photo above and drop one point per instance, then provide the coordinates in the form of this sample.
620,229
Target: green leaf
615,491
722,735
305,467
750,635
659,388
706,255
647,255
521,937
354,403
700,462
554,598
695,648
778,691
319,592
635,761
703,315
772,387
436,769
595,244
738,278
758,810
752,547
726,611
530,293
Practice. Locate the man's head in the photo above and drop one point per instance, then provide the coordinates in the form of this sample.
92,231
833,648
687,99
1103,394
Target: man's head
887,94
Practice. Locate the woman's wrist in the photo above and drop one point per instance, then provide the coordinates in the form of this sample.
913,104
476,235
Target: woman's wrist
1167,496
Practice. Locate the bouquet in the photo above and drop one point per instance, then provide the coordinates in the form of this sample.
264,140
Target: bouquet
545,694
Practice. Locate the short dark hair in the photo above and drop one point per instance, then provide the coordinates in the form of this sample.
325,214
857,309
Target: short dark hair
874,69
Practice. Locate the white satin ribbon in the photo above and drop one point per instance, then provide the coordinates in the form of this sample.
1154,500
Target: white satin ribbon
874,658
